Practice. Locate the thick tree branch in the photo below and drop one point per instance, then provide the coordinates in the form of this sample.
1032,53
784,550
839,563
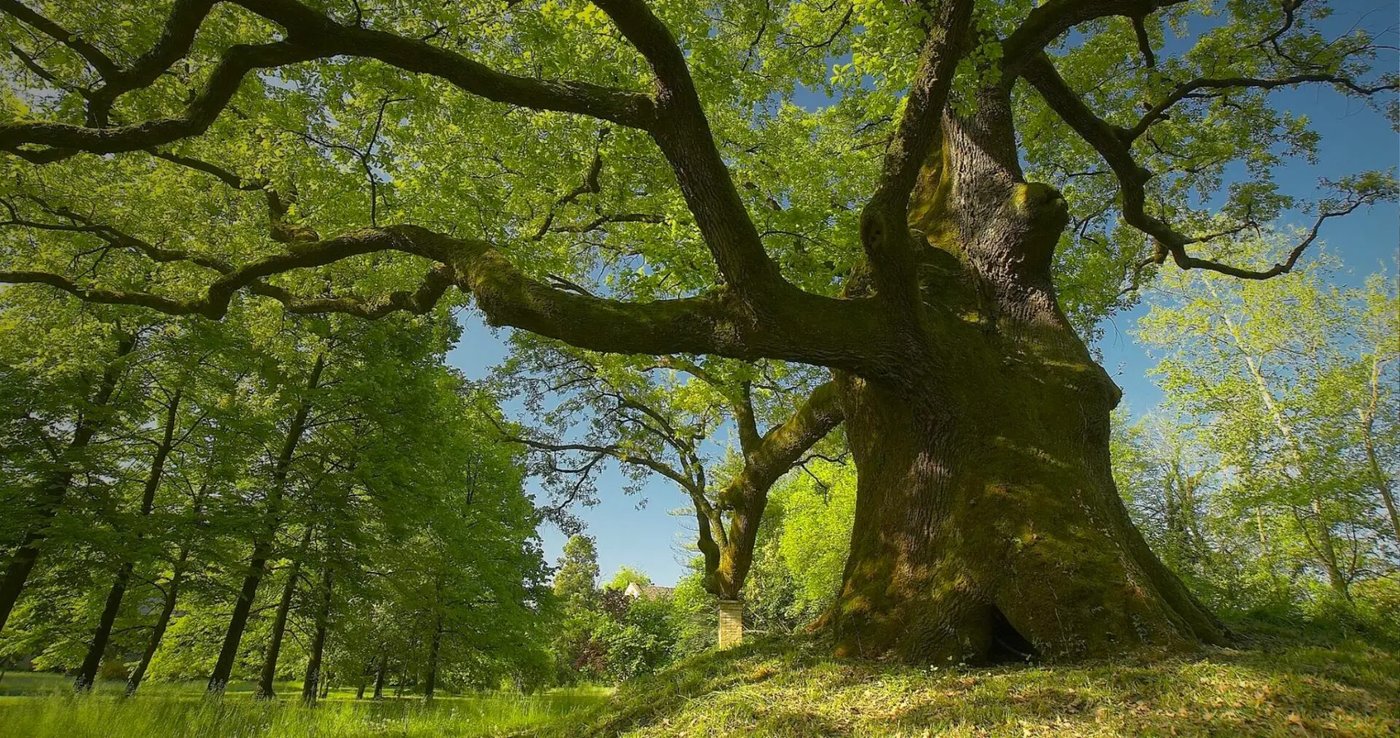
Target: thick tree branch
64,139
310,35
806,328
177,35
784,444
215,302
94,56
1053,18
682,132
884,221
333,39
746,419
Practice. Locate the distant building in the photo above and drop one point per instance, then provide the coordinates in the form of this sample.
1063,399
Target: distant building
636,591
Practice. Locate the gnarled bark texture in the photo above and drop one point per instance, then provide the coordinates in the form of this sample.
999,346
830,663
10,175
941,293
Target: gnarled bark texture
987,521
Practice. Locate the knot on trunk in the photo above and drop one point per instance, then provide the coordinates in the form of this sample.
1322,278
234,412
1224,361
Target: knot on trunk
1046,214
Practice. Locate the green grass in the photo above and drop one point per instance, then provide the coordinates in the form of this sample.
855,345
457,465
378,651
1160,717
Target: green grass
43,706
1340,684
784,688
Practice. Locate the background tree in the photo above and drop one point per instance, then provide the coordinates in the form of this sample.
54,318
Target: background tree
661,417
1284,406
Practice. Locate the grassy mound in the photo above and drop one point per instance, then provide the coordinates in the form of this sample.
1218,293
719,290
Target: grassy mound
791,688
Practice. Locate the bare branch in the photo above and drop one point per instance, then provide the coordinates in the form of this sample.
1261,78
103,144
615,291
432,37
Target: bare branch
1187,89
1113,144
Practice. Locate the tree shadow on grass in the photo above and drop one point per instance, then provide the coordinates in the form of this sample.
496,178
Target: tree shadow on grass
780,687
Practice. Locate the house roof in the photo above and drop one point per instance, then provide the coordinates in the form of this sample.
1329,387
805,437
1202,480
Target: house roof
647,591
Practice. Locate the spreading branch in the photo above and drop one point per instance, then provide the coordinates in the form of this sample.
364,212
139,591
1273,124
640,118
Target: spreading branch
1054,18
683,134
309,35
1114,145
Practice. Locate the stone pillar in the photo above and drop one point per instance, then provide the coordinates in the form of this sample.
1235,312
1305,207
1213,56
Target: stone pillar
731,623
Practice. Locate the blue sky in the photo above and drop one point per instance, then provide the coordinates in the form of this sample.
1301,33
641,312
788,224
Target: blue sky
641,532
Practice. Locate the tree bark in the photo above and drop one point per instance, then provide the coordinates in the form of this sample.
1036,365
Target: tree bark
987,523
318,642
744,498
262,547
54,489
87,673
266,679
379,676
97,648
1327,552
172,590
434,649
1379,478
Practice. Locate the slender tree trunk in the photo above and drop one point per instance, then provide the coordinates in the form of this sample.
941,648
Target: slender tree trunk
360,688
1387,496
1379,478
54,489
1324,548
987,522
172,590
379,676
265,689
87,673
318,642
434,650
262,547
97,648
1327,551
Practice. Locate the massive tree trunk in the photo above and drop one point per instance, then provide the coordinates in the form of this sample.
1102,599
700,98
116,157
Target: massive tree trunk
54,489
167,608
987,522
265,688
262,547
87,674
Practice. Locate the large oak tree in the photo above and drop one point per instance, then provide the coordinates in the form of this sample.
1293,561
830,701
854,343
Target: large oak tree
639,179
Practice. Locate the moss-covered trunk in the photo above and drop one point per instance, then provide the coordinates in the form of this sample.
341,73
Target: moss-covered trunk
988,526
987,521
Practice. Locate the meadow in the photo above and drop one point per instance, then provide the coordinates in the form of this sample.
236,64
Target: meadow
44,706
